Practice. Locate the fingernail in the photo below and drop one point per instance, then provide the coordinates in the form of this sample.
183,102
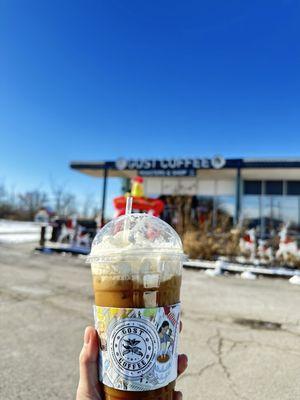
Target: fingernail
87,336
185,359
179,396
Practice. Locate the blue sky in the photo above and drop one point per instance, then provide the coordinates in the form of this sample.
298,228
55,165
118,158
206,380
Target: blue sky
93,79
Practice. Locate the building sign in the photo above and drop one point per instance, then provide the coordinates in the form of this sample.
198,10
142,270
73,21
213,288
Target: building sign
167,172
170,167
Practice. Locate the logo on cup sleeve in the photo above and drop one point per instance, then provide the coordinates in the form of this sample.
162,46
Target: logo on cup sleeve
133,347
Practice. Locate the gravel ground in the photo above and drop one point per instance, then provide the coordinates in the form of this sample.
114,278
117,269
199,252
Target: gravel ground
233,353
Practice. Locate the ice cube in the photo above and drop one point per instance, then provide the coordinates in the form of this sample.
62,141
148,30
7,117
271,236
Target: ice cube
151,281
150,299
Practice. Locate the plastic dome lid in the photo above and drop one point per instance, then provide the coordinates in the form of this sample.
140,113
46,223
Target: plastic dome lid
133,234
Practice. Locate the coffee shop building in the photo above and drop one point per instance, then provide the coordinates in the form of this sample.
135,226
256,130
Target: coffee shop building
261,193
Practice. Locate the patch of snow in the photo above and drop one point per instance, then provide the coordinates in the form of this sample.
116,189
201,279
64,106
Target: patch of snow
7,226
248,275
20,231
295,280
218,271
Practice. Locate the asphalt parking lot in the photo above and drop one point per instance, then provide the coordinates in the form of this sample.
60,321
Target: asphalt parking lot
242,337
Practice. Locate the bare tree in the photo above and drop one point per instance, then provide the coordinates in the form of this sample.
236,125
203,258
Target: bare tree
2,193
90,208
68,204
12,196
64,203
5,207
9,205
86,206
31,202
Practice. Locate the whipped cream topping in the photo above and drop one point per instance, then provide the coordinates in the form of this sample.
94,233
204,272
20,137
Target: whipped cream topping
135,246
130,235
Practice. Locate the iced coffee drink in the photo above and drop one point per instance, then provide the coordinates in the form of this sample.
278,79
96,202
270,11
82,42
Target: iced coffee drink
136,266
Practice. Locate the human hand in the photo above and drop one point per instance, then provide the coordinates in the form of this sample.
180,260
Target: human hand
89,387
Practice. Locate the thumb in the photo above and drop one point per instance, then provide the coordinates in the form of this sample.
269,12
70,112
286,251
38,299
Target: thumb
89,386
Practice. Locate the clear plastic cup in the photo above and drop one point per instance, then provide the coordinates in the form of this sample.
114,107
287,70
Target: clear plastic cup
136,263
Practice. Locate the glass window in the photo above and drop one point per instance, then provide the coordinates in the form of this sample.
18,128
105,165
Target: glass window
280,209
274,187
204,210
290,212
267,213
252,187
293,187
272,213
225,210
251,206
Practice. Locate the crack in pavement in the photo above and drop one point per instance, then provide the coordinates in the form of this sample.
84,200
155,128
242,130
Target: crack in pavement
219,353
198,373
230,321
226,371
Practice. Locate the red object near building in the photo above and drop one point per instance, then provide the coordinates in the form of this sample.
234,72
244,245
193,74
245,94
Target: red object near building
143,204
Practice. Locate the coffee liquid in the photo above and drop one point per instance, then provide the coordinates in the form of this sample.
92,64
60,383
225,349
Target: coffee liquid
125,293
